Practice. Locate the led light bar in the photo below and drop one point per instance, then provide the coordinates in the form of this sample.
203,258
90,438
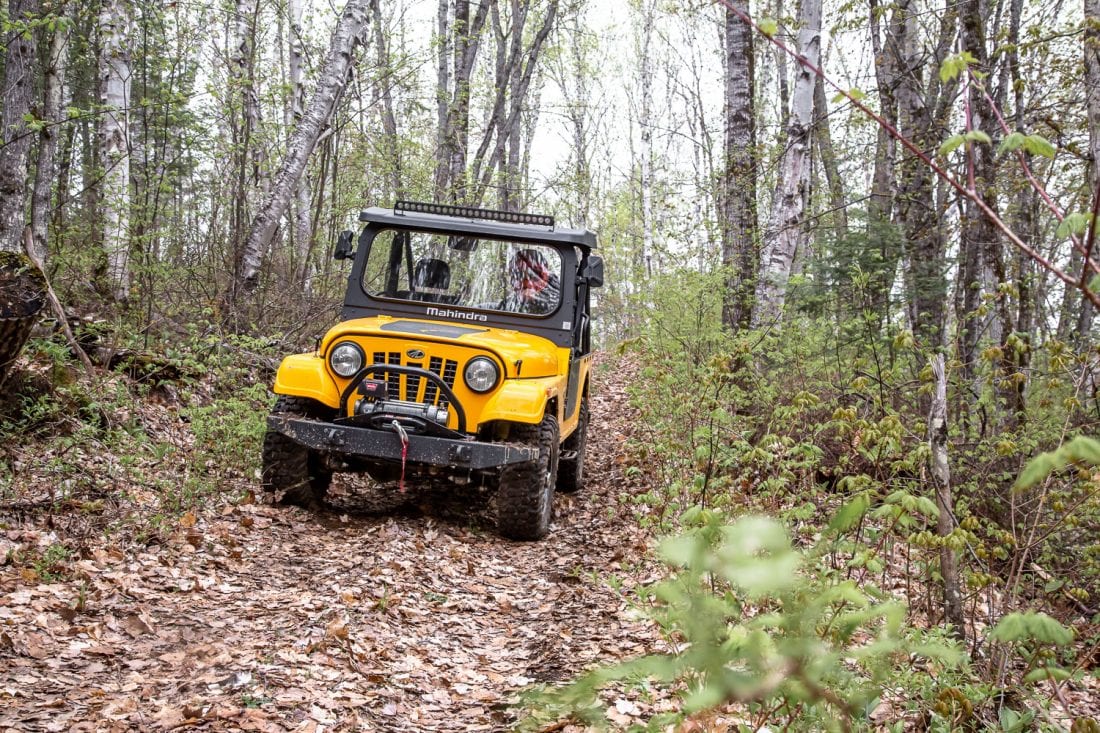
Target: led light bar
470,212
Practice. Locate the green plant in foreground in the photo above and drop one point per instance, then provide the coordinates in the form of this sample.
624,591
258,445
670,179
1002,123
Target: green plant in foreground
761,623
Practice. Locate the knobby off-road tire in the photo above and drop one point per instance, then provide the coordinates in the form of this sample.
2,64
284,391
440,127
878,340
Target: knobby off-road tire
291,468
525,498
571,470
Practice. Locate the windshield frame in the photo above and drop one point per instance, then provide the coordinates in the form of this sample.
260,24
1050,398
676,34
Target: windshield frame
490,274
557,326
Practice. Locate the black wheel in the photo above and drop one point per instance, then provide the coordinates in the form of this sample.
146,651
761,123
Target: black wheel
291,468
525,498
571,467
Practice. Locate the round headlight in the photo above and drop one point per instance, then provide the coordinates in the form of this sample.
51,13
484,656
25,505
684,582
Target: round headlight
346,359
481,374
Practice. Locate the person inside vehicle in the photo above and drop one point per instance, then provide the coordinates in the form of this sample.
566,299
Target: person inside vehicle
533,287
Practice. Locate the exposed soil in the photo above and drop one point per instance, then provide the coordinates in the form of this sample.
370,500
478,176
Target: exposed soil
379,614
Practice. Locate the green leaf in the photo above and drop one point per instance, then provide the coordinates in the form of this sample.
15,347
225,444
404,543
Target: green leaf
1076,224
978,136
1039,145
1044,673
1031,626
849,514
1037,469
1012,141
856,94
954,65
951,143
1083,449
768,27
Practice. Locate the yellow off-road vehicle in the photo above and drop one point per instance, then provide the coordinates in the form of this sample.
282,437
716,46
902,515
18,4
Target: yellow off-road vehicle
462,356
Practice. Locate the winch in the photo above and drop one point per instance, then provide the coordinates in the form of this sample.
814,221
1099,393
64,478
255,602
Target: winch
375,402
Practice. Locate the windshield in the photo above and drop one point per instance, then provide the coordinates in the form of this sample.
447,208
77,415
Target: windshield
489,274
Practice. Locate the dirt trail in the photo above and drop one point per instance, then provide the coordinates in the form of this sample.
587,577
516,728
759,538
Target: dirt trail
253,617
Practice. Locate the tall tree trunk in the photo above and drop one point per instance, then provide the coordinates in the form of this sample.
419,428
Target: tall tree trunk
922,115
45,173
941,482
823,141
114,141
1092,107
18,92
738,218
645,125
303,226
389,119
22,288
465,39
792,190
980,239
880,261
511,96
330,86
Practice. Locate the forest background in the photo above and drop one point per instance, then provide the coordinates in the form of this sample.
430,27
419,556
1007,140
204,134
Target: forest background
851,244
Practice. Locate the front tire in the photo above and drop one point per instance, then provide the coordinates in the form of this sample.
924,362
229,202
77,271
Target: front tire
525,498
291,468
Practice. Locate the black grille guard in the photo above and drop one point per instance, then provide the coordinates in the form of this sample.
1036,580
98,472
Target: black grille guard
431,376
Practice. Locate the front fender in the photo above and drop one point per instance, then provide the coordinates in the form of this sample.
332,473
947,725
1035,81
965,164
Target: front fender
304,375
521,400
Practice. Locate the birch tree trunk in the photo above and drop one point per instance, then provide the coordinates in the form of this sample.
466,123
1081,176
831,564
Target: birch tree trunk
52,85
114,141
941,482
792,190
303,226
645,126
330,85
738,218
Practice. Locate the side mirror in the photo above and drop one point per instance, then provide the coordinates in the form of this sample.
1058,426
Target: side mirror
343,245
592,271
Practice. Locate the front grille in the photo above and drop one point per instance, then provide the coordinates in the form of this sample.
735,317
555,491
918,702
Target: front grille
412,388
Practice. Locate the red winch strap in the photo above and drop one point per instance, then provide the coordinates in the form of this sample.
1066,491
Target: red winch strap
404,453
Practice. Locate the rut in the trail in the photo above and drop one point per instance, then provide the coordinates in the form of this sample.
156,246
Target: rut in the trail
257,618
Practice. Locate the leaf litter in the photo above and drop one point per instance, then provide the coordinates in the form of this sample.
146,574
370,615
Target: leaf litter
245,616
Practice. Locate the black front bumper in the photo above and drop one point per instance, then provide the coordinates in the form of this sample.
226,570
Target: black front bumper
386,445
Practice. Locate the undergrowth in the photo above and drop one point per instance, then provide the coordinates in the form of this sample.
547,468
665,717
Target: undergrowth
822,425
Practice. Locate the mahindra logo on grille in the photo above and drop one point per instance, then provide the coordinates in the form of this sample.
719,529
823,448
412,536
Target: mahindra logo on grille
414,354
459,315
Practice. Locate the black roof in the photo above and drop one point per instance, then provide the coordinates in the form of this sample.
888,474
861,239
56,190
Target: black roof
492,229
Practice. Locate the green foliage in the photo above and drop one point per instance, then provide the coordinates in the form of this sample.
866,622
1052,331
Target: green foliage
760,623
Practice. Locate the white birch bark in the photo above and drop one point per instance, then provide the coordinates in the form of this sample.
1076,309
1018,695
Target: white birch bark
330,85
53,84
645,125
303,225
941,482
793,187
114,132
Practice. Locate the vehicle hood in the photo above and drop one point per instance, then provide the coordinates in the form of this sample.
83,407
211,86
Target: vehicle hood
522,354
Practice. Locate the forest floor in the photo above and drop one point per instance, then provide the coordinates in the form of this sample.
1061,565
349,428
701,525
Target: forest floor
247,616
